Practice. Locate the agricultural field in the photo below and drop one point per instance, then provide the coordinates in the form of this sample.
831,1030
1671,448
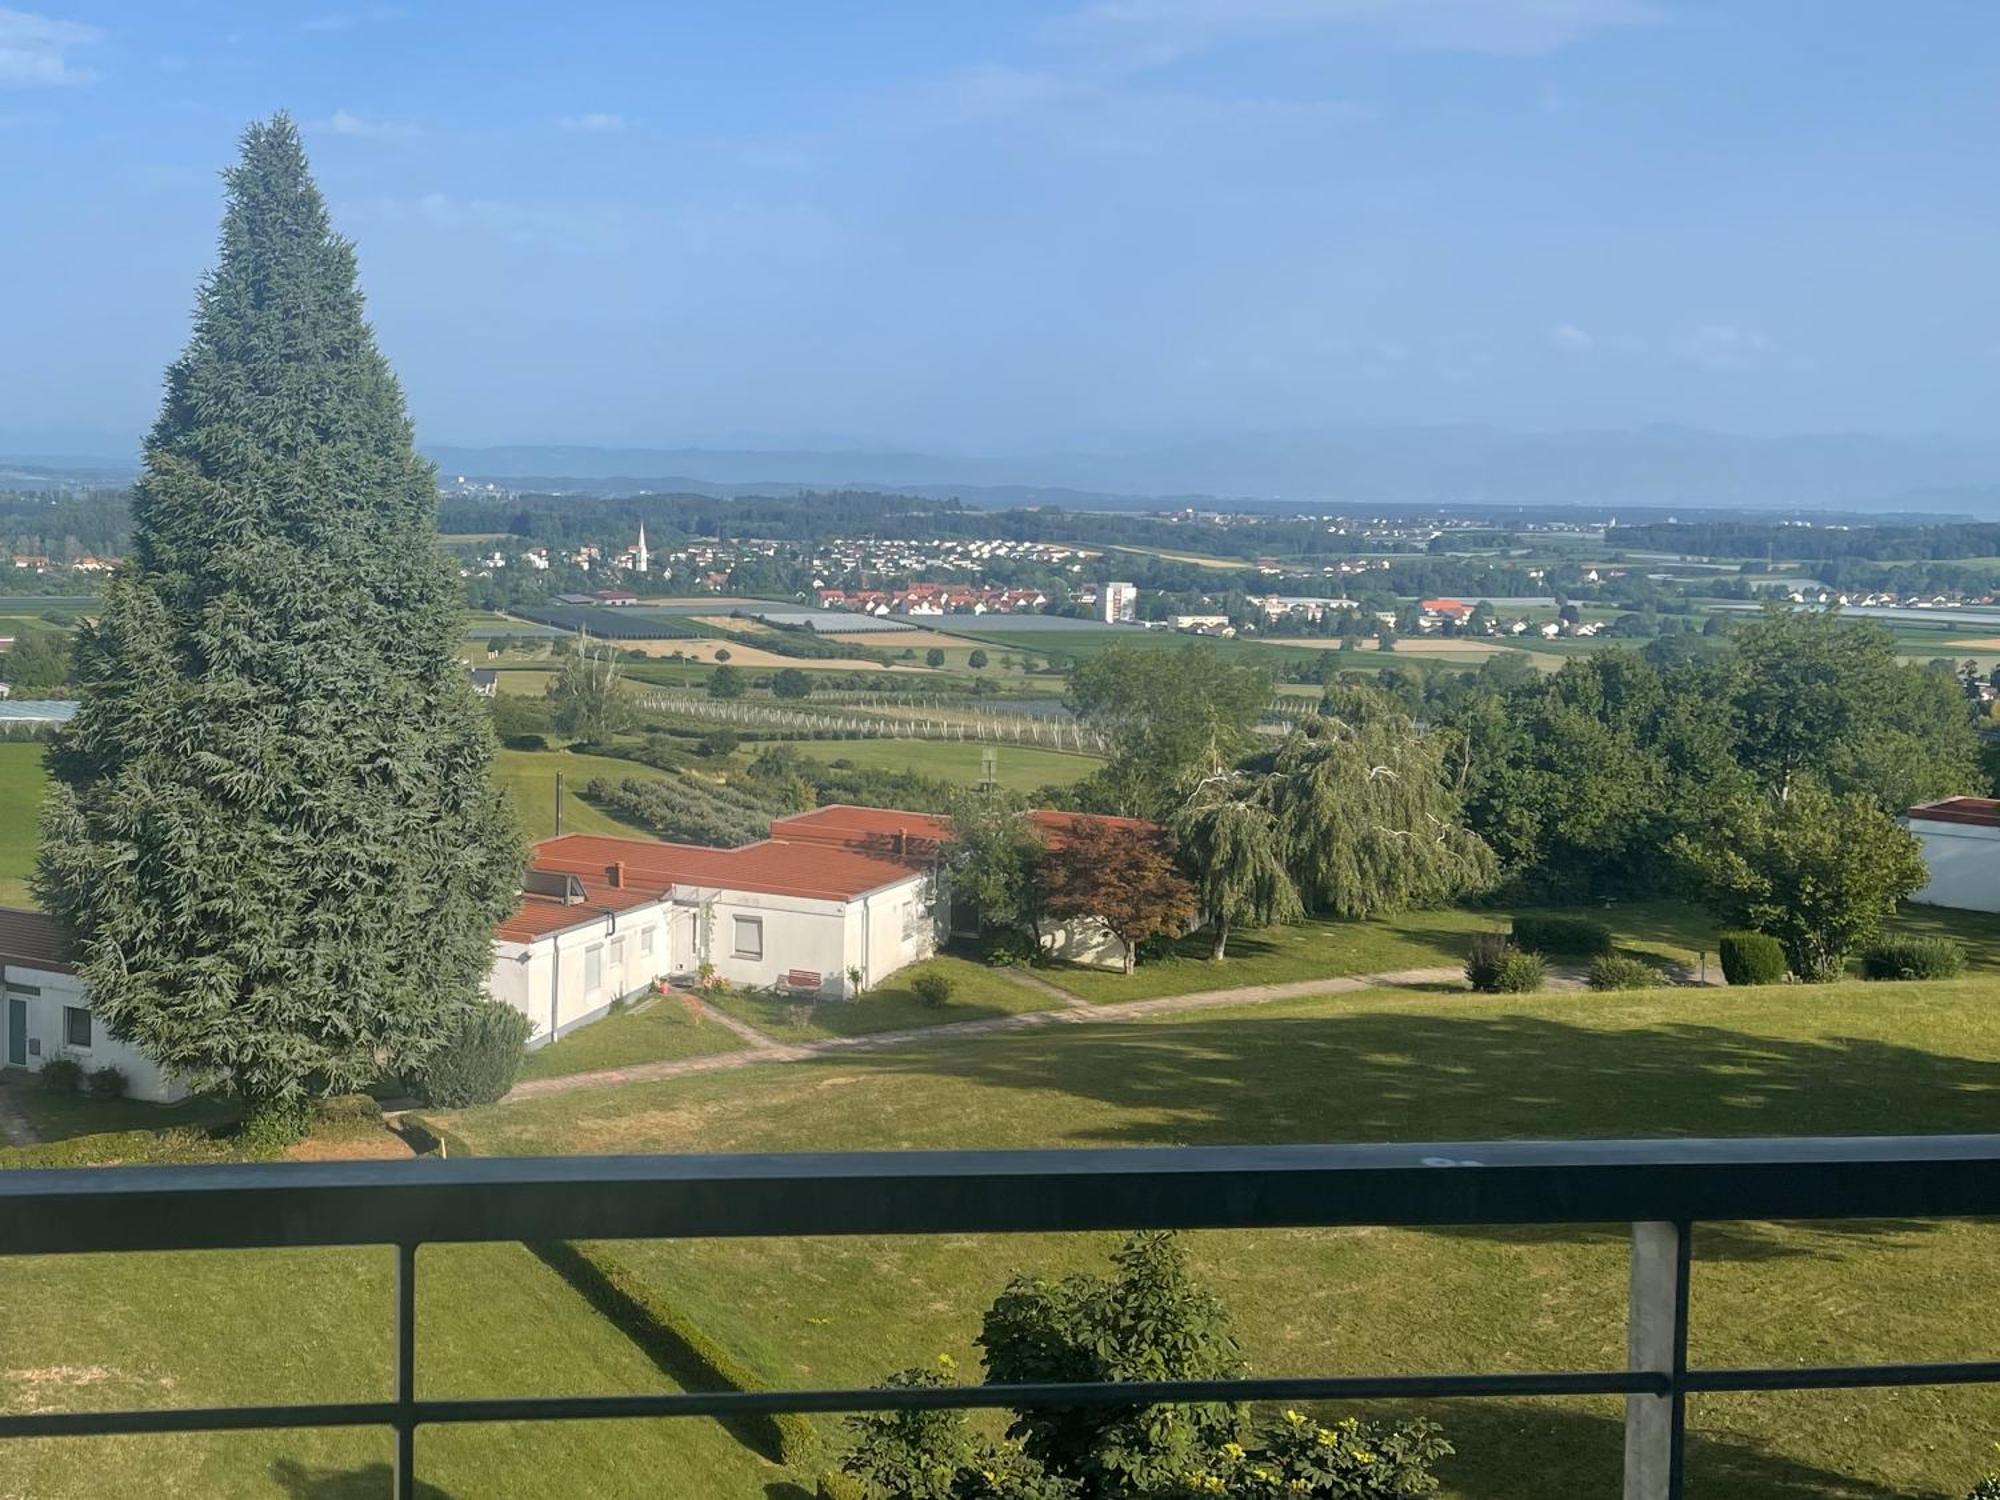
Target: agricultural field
1398,1065
1018,768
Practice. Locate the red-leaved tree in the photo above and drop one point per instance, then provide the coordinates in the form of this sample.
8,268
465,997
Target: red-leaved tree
1123,877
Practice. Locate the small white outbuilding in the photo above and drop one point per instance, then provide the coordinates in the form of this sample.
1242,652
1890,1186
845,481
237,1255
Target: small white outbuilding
1961,843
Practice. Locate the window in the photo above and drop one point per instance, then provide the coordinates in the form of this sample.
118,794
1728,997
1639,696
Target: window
593,969
76,1027
617,952
749,937
645,942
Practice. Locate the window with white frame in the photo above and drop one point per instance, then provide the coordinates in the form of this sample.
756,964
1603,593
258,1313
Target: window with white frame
617,952
76,1027
593,968
645,942
749,937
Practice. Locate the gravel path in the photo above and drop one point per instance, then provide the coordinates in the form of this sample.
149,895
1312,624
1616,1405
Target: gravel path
763,1049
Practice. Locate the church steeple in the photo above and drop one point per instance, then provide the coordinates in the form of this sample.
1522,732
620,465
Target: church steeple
639,552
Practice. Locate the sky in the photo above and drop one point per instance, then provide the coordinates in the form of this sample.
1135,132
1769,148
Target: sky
1009,227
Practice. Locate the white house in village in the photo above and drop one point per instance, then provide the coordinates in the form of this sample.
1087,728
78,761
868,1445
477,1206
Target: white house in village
1960,837
45,1013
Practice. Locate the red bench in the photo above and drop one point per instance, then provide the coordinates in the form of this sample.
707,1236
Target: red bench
804,979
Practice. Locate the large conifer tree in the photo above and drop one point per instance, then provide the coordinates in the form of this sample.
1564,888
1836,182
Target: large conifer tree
274,837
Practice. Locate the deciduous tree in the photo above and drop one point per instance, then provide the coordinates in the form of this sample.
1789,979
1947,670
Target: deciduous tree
274,839
586,699
1229,844
1123,877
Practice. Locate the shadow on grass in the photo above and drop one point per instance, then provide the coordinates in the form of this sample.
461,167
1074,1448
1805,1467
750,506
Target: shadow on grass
369,1482
1530,1450
1372,1076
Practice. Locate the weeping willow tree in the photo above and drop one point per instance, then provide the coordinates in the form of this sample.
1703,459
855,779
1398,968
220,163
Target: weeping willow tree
1367,818
588,702
1229,843
274,839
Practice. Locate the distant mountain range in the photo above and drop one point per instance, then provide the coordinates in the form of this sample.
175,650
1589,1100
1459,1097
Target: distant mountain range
1349,468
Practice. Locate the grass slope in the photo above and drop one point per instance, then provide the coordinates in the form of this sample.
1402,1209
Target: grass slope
21,782
652,1031
977,993
1018,768
1404,1066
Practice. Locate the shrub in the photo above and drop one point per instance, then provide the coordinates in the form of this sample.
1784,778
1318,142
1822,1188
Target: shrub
62,1074
1482,962
1351,1460
1569,936
526,742
838,1486
347,1109
1751,958
481,1061
1005,947
1615,971
107,1082
719,742
932,989
1987,1489
1521,973
1913,958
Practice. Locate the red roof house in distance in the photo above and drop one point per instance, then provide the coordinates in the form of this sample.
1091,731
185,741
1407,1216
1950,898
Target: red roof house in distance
1960,838
1447,609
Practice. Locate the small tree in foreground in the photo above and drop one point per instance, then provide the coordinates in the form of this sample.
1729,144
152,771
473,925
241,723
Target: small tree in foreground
1149,1320
1121,876
273,839
1815,870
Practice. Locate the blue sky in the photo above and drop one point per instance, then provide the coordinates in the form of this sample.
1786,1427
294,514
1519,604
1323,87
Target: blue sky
1002,227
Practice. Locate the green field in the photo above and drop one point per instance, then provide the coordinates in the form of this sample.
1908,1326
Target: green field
652,1030
1018,768
529,777
1402,1065
21,781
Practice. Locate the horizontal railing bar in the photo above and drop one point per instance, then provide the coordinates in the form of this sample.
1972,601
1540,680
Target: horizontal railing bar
728,1404
1845,1377
928,1192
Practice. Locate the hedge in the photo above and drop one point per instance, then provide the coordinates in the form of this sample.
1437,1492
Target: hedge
1577,936
1913,958
1751,958
480,1062
676,1343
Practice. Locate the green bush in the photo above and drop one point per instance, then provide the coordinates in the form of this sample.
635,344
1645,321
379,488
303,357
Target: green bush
1006,947
1578,937
347,1109
62,1074
1913,958
1521,973
1482,962
526,741
481,1061
107,1082
1987,1489
1751,958
1615,971
932,989
837,1486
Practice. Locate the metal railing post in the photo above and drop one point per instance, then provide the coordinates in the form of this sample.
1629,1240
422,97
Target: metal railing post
1656,1342
406,1372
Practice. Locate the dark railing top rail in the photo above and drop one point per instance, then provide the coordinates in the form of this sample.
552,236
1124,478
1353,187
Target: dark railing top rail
921,1192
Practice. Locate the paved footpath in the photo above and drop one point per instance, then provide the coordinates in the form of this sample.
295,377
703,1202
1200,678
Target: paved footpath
763,1049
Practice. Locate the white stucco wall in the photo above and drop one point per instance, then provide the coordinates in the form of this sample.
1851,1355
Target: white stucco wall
548,980
1964,861
43,1032
901,926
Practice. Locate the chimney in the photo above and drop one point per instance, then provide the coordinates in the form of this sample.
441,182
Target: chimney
615,873
902,841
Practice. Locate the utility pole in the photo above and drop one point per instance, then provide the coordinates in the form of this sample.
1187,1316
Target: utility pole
559,796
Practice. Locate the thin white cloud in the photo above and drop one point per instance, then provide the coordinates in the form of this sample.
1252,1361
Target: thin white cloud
365,127
596,123
1569,336
34,50
1157,31
1723,347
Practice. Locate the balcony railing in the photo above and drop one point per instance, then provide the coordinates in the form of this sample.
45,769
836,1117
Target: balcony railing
1661,1188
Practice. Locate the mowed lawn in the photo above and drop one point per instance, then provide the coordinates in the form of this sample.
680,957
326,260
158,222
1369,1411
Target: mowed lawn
1018,768
977,993
1669,934
1404,1065
655,1029
21,781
